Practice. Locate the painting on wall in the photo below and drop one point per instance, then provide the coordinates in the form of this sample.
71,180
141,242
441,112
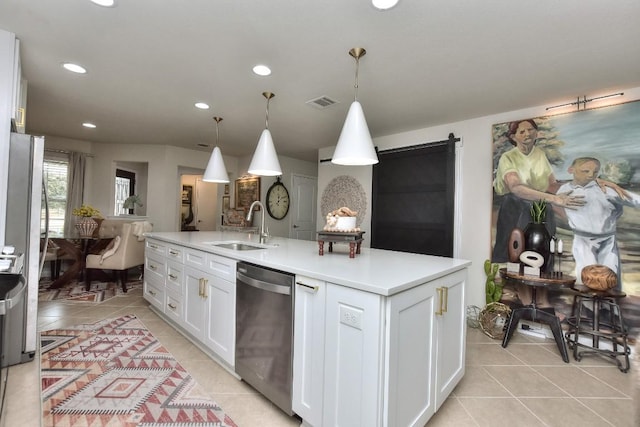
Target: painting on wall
247,191
587,164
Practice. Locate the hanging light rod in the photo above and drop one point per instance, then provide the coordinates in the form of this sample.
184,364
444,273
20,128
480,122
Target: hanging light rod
584,101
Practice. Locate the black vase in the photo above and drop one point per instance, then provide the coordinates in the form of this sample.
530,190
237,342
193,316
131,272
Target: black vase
538,239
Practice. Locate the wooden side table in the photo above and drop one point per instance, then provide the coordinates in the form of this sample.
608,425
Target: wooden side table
532,311
354,239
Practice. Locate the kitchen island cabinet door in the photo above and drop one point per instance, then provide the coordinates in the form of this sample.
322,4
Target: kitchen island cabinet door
411,367
194,303
353,356
220,331
308,349
451,328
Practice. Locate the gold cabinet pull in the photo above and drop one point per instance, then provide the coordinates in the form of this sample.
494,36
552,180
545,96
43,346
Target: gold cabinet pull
445,291
308,287
173,252
204,289
200,287
152,267
151,292
172,276
439,291
172,306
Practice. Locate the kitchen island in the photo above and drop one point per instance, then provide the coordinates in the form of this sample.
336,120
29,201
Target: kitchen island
379,339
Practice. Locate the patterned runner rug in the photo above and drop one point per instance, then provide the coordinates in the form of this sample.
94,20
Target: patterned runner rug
116,373
74,291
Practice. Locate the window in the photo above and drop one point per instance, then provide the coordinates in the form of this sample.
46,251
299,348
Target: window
55,172
125,187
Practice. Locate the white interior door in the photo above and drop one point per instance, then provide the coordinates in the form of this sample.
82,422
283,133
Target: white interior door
206,205
304,190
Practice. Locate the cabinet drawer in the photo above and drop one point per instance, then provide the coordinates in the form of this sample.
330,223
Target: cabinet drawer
155,267
194,258
154,292
173,306
175,253
156,247
175,277
222,267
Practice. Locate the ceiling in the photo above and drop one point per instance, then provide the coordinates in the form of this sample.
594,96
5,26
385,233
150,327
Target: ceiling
428,63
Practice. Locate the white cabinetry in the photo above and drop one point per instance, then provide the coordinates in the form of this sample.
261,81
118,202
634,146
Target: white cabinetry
308,349
155,271
164,277
363,359
209,302
353,369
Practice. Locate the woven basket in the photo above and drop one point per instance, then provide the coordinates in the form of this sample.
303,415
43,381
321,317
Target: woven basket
599,277
493,319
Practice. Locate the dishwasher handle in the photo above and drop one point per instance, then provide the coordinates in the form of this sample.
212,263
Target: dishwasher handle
265,286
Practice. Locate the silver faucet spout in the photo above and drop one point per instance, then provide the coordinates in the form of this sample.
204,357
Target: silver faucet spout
263,235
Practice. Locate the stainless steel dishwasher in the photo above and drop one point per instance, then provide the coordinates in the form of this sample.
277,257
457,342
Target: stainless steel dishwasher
264,331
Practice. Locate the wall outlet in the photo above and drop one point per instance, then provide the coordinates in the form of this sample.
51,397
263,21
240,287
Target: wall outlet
351,317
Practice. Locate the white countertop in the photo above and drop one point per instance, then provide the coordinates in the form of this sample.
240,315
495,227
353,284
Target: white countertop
373,270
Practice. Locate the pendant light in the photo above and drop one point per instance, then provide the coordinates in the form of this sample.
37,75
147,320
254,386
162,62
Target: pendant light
216,172
265,159
355,147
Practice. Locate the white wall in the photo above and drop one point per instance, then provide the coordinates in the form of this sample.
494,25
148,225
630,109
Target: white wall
475,232
289,166
165,164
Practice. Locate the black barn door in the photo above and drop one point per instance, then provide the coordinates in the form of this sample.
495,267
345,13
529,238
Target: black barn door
413,199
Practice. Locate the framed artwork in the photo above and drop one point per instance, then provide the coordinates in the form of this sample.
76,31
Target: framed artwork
226,203
226,189
187,193
564,154
247,190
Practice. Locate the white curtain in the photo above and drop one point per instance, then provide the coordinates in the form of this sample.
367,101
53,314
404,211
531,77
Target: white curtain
77,164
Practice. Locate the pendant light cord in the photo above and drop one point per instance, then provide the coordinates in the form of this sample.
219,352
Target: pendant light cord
217,120
355,97
266,119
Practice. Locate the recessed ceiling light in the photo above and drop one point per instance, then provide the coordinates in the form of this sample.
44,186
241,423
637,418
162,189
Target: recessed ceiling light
262,70
89,125
384,4
105,3
75,68
202,105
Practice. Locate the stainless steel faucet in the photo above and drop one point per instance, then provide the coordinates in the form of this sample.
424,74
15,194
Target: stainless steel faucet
264,235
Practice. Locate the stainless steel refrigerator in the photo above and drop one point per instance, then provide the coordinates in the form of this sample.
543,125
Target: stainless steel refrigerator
23,218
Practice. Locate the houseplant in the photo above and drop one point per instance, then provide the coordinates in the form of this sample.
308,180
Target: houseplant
493,317
85,222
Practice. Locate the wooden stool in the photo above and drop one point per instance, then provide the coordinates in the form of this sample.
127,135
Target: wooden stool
604,322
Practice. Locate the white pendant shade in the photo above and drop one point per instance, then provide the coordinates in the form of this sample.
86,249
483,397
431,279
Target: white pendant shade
355,146
265,160
216,172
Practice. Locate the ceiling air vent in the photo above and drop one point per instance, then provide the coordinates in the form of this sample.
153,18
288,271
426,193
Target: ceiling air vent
322,102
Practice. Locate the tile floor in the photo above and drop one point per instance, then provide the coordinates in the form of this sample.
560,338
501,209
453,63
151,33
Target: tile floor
526,384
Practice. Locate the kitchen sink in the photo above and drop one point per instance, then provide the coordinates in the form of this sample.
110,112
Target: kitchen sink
237,246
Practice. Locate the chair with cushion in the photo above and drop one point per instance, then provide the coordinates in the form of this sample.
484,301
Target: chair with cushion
54,255
125,251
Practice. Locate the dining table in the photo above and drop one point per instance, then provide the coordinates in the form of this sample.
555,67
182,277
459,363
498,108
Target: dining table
78,248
